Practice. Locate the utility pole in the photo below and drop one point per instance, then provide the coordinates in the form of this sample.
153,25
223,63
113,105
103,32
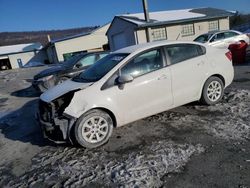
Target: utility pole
145,9
147,19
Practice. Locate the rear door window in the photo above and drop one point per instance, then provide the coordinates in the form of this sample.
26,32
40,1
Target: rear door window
219,36
181,52
230,34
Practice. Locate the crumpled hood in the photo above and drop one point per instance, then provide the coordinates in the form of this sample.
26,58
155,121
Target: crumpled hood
62,89
50,71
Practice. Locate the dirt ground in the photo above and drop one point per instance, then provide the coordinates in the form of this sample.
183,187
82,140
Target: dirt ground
189,146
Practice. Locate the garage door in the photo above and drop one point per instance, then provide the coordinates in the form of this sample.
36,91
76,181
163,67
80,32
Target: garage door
119,41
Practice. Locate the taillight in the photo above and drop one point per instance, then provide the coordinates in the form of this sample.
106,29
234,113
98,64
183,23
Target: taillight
229,55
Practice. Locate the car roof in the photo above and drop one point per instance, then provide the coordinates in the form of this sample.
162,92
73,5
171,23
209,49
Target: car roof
145,46
221,31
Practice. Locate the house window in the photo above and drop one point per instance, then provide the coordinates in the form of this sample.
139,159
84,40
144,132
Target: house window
159,34
187,30
213,25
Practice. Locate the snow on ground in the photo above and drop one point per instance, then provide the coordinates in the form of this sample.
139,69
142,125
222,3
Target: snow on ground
73,167
145,166
227,120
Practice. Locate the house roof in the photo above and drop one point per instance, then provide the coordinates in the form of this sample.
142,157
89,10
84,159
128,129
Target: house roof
175,16
20,48
79,35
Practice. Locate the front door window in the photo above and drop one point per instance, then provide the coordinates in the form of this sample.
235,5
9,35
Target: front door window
144,63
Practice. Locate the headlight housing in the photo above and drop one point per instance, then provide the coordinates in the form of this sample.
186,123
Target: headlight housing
46,78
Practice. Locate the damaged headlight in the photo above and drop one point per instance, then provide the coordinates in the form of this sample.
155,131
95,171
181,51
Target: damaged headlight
46,78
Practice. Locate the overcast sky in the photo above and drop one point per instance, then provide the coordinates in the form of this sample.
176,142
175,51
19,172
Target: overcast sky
33,15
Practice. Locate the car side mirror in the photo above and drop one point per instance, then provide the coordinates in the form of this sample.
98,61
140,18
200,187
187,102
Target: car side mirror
123,79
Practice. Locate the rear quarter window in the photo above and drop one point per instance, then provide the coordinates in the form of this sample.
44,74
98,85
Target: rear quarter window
181,52
230,34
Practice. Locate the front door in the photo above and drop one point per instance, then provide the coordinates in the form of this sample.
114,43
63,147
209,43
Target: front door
150,91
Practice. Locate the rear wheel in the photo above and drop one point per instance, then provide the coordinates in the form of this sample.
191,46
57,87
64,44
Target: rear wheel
213,91
93,129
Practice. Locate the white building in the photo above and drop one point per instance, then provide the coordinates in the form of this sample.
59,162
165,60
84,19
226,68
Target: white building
62,49
130,29
16,56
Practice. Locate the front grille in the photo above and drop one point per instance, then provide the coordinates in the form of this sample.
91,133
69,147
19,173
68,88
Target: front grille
46,111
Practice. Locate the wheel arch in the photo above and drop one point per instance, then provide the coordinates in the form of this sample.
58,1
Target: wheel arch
109,112
219,76
214,75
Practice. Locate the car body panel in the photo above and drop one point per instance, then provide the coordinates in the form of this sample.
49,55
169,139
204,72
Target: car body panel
62,89
185,82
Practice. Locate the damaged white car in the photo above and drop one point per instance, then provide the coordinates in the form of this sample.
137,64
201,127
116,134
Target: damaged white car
131,84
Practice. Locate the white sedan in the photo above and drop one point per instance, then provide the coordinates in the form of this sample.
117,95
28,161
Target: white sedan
222,39
131,84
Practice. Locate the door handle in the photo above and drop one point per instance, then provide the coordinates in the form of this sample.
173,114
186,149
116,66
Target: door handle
162,77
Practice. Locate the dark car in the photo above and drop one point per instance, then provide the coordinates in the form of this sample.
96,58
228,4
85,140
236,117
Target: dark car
63,71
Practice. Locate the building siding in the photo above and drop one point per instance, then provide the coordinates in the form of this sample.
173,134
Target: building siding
173,32
119,27
141,36
26,57
90,42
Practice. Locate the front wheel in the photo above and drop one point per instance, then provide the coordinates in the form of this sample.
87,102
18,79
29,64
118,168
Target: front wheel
213,91
93,129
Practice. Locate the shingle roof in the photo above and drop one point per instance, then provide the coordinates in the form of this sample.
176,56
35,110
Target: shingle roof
175,16
20,48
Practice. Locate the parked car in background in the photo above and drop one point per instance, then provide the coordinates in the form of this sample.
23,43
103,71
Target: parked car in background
222,39
68,69
131,84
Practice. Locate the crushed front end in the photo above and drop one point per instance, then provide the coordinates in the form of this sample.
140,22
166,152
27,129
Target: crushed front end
55,124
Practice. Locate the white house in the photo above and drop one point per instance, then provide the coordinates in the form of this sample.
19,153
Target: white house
186,24
16,56
62,49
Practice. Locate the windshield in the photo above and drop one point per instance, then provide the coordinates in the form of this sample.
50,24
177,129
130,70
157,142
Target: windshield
203,38
72,60
100,68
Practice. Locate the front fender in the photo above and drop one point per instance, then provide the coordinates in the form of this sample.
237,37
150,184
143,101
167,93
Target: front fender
82,103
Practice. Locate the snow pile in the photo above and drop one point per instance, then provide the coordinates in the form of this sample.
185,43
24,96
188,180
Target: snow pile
72,167
227,120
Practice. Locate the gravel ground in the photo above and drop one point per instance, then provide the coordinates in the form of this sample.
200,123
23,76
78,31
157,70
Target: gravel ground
189,146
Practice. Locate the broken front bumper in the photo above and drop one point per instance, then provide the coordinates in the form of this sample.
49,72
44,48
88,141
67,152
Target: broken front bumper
54,128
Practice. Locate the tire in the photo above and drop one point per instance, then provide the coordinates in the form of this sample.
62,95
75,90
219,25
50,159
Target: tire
212,91
93,129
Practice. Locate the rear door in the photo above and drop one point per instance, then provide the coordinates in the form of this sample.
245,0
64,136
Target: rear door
188,68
